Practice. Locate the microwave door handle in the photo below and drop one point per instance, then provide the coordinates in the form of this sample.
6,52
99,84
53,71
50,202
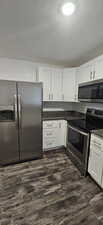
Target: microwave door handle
15,110
77,130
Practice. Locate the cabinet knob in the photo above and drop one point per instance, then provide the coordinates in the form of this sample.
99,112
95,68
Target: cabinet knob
97,144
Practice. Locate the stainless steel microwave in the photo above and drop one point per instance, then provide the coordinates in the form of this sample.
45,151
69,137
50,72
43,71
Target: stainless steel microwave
91,91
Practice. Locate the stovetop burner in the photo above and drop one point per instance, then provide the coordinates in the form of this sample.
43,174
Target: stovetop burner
84,125
92,121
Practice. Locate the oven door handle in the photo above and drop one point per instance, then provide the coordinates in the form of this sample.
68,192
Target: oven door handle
77,130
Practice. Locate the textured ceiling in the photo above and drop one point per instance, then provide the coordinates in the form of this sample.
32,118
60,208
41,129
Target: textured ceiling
36,30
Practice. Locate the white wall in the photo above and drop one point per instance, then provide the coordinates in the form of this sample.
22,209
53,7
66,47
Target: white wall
11,69
17,70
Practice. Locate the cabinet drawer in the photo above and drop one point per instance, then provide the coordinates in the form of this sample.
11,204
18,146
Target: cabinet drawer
49,143
50,124
50,133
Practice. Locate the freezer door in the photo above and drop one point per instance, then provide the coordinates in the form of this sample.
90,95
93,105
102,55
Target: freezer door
8,123
30,120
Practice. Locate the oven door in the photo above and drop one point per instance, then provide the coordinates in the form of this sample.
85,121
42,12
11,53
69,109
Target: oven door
78,143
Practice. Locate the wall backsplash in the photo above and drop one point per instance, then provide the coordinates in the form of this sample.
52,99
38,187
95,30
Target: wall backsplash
63,105
81,107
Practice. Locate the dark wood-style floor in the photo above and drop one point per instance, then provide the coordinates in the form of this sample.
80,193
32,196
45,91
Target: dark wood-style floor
49,191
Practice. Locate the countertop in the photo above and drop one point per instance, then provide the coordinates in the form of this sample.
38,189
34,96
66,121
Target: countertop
98,132
62,115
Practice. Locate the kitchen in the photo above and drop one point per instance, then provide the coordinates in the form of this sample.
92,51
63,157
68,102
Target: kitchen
51,112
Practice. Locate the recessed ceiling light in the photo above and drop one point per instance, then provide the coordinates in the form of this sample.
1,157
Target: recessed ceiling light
68,9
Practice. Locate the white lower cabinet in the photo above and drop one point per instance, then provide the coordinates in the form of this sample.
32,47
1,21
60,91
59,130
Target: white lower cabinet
95,166
49,143
54,134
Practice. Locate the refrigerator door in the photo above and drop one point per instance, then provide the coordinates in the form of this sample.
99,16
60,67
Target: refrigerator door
8,123
30,120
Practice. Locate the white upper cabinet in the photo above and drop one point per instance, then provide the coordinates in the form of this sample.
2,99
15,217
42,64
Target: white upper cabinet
52,83
69,85
45,75
58,84
85,73
98,72
56,91
90,71
17,70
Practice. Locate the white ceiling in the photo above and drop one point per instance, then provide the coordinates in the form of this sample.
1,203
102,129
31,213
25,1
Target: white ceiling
36,30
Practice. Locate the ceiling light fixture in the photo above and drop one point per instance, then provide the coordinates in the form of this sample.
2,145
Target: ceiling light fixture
68,9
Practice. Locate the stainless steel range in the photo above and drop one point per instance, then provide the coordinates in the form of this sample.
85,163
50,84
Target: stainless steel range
78,137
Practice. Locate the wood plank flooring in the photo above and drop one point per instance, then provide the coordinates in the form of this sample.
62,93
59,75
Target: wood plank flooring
49,191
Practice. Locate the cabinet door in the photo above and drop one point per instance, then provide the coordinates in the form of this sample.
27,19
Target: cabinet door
45,77
69,85
49,144
95,166
99,69
56,85
61,133
85,74
54,136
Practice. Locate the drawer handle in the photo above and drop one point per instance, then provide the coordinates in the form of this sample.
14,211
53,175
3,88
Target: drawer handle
97,153
49,144
96,143
48,134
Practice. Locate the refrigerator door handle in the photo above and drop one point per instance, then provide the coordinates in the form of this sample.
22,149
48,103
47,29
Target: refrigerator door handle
15,110
19,109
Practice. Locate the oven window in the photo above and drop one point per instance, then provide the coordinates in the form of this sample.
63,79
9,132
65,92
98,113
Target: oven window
76,139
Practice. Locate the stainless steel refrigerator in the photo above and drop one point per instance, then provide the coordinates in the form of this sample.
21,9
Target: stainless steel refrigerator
20,121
